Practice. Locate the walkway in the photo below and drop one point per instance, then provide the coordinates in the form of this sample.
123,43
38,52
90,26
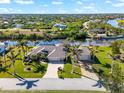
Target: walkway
50,84
52,69
88,73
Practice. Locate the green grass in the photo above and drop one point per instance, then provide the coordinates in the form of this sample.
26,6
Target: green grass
120,21
67,71
19,66
104,58
53,91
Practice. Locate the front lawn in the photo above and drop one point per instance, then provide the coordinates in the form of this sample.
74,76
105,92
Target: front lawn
38,70
67,71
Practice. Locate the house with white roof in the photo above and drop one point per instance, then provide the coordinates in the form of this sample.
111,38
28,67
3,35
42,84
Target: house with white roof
2,48
60,26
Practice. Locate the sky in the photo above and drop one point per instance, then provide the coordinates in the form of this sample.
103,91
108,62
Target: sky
61,6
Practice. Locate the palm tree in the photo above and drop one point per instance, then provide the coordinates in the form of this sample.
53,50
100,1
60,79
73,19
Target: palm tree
12,58
114,81
113,59
94,50
72,53
24,47
1,65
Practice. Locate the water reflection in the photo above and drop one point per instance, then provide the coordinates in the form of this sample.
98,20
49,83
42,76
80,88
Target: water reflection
87,42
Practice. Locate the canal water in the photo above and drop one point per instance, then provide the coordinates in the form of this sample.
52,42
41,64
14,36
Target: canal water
87,42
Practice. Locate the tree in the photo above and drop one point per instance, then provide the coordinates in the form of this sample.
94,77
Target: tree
73,53
12,58
115,81
116,45
94,50
23,45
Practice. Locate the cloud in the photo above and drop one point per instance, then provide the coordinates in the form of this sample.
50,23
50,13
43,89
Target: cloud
4,10
79,2
90,8
121,1
24,1
118,3
108,1
9,10
4,1
78,10
57,2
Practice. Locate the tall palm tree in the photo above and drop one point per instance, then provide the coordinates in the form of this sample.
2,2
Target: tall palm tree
113,60
1,65
24,47
72,53
4,58
12,58
94,50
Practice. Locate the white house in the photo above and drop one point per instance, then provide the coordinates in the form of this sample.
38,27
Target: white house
60,26
2,48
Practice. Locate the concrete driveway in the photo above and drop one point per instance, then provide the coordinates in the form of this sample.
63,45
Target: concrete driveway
52,69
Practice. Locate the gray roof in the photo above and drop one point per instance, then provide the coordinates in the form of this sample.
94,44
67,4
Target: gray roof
85,51
58,52
53,51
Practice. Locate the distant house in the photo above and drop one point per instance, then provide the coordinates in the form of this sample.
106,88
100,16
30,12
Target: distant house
2,49
31,22
85,54
19,25
55,53
60,26
6,22
98,30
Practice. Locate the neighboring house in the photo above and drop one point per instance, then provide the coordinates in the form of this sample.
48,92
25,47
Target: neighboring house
85,54
99,31
6,22
19,25
31,22
60,26
2,49
55,53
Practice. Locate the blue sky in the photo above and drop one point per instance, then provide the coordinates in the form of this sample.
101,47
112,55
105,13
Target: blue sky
61,6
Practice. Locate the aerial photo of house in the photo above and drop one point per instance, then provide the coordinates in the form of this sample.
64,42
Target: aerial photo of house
61,46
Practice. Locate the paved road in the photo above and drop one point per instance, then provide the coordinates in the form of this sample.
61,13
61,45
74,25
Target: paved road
49,84
52,69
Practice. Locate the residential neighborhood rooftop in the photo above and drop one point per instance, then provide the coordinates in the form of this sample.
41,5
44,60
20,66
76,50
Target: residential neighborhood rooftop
54,52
